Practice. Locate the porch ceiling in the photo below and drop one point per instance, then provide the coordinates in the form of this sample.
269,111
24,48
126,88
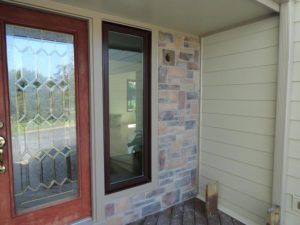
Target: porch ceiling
192,16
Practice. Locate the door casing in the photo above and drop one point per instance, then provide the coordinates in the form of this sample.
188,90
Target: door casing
59,212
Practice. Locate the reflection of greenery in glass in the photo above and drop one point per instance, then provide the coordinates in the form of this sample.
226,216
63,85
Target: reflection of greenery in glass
131,95
19,114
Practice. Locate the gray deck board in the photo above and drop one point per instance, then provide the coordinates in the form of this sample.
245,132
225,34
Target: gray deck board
236,222
191,212
200,218
225,219
165,217
152,219
177,215
214,220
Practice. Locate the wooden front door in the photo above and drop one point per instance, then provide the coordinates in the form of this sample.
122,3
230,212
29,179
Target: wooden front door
44,118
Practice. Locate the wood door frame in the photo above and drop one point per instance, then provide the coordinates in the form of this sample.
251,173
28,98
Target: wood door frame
79,207
147,46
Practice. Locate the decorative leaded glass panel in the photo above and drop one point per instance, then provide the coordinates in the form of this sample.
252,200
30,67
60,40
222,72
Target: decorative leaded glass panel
43,115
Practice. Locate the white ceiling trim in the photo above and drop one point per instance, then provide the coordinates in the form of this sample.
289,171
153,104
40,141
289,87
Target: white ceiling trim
270,4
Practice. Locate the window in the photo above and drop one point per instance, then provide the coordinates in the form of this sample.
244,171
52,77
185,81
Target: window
127,106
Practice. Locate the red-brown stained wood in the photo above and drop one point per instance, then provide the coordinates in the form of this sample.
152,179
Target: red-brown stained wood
58,213
146,177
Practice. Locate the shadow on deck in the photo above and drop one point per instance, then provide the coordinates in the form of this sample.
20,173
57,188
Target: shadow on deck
191,212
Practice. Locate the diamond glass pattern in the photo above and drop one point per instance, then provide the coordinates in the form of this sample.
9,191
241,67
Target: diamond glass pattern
43,116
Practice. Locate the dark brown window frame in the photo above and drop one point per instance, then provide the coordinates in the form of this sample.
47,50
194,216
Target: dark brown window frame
146,177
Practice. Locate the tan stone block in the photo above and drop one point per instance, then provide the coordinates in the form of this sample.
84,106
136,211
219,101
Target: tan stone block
174,71
122,205
175,164
115,221
162,128
167,106
174,81
171,96
194,108
179,41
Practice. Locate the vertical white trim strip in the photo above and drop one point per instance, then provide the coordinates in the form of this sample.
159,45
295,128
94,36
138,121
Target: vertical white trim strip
200,114
96,120
282,110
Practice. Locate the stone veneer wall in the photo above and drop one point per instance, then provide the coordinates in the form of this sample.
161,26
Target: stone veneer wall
178,85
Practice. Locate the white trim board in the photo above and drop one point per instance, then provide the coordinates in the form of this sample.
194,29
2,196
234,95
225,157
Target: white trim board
283,107
269,4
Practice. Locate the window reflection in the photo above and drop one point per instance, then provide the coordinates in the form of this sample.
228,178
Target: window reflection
125,106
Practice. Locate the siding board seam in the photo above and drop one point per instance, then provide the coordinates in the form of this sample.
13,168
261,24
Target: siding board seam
239,115
241,100
236,145
273,26
229,172
241,84
243,208
240,53
233,188
238,161
240,131
240,68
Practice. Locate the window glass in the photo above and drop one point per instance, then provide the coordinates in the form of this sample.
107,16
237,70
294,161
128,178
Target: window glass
126,109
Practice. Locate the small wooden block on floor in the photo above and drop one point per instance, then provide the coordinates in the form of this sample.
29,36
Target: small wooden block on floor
211,199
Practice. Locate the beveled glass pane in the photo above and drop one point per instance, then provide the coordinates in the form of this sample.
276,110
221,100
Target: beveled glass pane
125,106
43,115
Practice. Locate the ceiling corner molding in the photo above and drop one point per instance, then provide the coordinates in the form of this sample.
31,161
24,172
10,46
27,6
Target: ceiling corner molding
270,4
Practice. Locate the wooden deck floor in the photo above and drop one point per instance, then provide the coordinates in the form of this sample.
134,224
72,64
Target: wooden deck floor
190,212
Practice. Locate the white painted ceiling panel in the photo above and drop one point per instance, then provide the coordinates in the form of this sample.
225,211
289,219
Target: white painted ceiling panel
192,16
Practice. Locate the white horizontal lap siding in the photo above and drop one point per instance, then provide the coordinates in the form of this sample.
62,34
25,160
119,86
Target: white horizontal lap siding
293,161
239,80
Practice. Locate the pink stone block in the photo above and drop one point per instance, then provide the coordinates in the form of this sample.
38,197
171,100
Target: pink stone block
122,205
109,210
181,100
162,160
194,108
170,198
192,66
